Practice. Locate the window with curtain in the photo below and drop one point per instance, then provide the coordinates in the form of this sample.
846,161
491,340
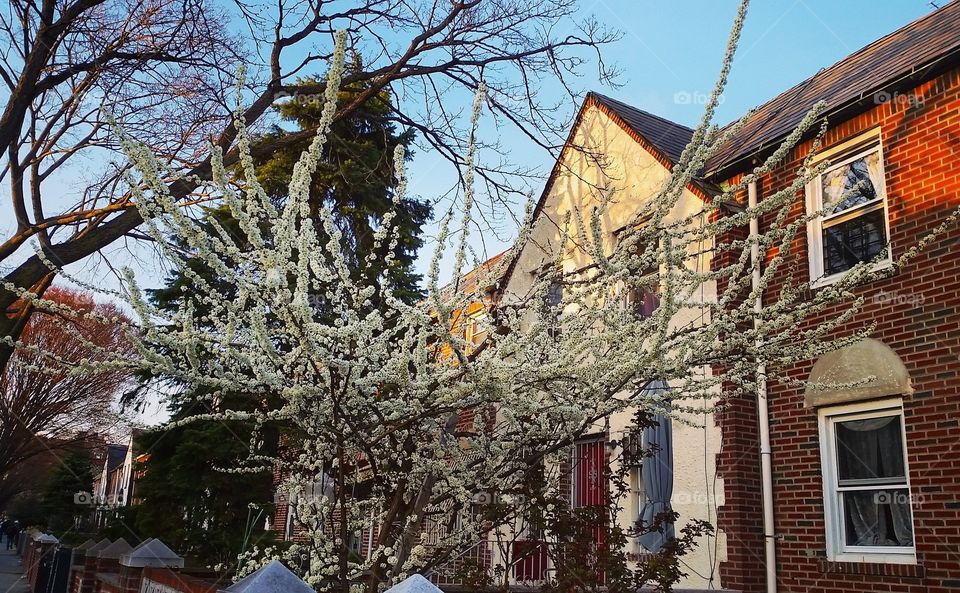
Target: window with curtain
642,302
867,492
851,192
657,477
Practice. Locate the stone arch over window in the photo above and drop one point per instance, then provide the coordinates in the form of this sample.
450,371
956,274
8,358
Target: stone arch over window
842,376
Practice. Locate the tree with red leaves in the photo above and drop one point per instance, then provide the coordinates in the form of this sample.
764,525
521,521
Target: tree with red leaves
45,404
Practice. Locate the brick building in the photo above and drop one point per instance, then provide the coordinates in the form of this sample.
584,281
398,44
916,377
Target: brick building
866,480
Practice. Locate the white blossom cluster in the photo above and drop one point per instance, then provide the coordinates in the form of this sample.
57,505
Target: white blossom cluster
371,393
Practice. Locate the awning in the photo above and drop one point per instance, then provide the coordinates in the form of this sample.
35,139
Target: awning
868,369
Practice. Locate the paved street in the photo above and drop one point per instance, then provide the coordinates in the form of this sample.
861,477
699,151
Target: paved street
11,573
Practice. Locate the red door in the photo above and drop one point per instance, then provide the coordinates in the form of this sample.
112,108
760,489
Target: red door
589,482
589,474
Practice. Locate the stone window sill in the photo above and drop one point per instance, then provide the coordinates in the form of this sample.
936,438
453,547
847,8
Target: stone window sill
873,569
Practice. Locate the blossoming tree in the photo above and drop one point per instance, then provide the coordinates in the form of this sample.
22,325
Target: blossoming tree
372,394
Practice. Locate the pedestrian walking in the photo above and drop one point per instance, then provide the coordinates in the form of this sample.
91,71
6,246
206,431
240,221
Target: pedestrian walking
12,529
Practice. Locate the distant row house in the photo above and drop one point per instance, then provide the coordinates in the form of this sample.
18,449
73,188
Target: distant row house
115,484
863,487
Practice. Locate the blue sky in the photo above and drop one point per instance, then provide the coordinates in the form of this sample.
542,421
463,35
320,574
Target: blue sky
672,47
670,56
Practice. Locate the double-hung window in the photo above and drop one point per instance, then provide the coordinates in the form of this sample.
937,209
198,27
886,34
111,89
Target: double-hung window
553,303
475,329
852,195
867,498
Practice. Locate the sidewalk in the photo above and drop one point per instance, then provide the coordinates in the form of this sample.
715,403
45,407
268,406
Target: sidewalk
11,573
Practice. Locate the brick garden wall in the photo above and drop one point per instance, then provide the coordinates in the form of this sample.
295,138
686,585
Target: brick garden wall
917,312
163,579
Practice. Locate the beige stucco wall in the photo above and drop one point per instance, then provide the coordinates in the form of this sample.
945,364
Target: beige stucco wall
613,170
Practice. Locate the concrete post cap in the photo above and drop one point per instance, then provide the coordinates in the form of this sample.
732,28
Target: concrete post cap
153,553
271,578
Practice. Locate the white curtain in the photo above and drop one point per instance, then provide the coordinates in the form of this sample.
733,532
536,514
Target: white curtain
873,449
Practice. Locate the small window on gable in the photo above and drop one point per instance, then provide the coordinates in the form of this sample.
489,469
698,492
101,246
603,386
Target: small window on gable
474,328
854,227
866,486
555,294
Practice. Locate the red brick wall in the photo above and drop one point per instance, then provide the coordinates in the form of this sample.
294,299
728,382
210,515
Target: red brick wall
180,582
130,577
87,581
917,312
279,522
740,517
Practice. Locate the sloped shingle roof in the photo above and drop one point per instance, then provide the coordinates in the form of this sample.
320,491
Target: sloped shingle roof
910,50
907,51
668,137
468,283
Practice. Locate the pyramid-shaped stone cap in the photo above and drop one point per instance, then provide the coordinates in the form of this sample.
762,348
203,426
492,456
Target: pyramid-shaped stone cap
45,538
272,578
152,552
414,584
143,543
115,550
80,552
85,546
93,550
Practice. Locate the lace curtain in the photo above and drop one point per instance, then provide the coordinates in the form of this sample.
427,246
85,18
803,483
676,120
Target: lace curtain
871,451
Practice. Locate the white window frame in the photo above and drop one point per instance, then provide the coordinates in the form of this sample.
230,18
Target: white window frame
845,153
633,302
475,330
638,497
832,501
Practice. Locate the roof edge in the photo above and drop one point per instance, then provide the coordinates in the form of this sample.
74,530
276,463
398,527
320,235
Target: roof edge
593,99
902,80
